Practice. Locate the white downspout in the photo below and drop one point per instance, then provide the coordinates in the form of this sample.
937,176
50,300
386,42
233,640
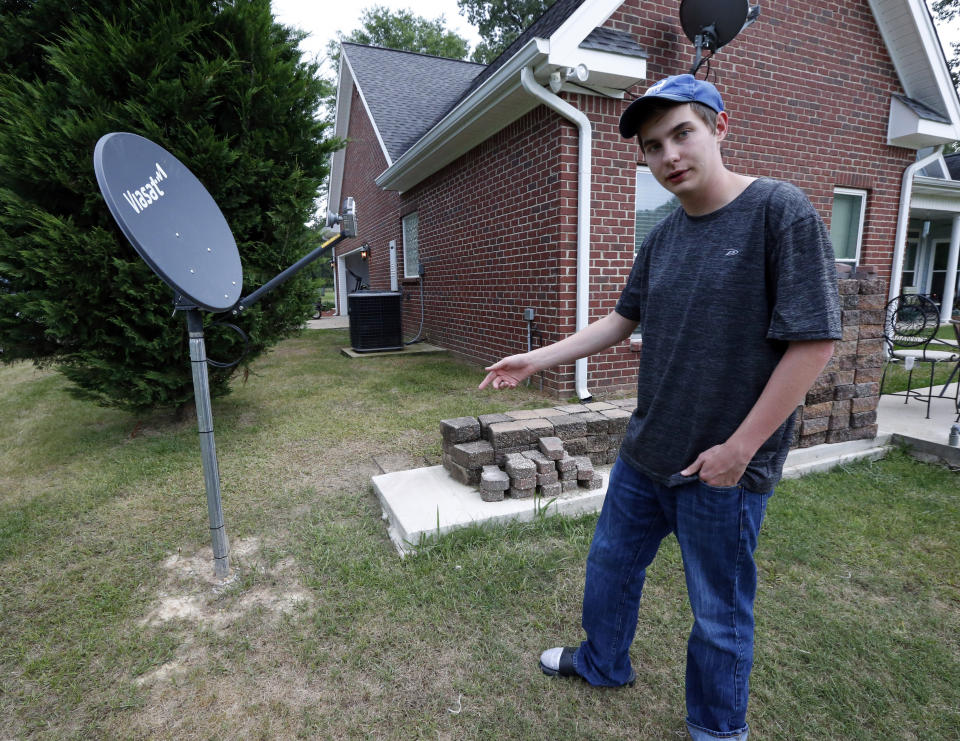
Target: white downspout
903,220
946,308
584,176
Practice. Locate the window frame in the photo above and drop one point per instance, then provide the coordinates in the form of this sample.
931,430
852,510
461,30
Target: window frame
862,194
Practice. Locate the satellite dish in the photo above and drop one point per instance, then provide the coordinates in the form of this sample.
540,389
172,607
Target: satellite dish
711,24
177,228
170,219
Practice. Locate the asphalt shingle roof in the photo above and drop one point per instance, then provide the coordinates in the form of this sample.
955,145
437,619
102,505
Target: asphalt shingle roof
612,40
924,111
407,92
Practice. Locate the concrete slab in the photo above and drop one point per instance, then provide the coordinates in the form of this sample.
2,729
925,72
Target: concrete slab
802,461
425,502
329,322
910,419
930,452
419,349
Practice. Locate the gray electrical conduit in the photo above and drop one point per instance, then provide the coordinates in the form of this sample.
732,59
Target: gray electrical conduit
419,331
583,210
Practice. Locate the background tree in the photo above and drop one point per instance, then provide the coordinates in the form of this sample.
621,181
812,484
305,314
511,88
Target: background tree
402,30
948,13
500,22
223,88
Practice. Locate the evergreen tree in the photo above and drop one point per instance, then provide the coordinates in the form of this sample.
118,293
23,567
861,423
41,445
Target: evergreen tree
222,87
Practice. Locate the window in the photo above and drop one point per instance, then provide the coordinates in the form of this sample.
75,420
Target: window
938,276
908,278
846,223
654,202
411,246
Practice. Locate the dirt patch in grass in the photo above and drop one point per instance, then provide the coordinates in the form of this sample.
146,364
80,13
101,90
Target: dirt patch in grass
192,593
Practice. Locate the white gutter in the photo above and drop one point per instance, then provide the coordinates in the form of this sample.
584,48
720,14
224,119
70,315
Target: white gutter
903,220
583,211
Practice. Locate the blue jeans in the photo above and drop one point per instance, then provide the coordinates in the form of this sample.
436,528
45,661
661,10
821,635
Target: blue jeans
717,531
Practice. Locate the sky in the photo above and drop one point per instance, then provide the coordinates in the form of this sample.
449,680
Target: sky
324,18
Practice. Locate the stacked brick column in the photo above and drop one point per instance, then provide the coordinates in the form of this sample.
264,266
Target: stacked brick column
842,404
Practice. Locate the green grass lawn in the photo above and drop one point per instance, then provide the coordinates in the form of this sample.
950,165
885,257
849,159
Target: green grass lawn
111,625
897,378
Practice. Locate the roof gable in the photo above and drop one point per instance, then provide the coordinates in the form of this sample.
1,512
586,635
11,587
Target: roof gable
427,129
406,93
930,112
542,28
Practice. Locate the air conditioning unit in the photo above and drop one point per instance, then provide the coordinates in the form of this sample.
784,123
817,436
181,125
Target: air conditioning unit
375,321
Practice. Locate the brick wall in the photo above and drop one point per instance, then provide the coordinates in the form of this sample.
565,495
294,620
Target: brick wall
807,88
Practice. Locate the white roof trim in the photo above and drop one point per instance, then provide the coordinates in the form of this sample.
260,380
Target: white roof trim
935,194
373,122
607,69
905,128
341,126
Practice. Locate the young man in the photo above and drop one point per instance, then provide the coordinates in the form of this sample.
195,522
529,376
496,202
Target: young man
735,295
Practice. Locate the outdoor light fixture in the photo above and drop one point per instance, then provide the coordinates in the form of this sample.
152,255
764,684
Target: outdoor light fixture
579,73
364,251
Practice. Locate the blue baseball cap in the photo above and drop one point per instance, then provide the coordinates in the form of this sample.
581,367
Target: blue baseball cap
680,89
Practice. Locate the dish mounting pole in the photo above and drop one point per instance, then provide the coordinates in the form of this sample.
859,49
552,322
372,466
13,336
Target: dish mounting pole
208,448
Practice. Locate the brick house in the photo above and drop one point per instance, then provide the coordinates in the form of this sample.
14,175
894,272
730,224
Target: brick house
506,187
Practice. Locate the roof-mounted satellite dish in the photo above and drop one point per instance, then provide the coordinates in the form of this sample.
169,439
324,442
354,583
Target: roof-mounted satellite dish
176,227
711,24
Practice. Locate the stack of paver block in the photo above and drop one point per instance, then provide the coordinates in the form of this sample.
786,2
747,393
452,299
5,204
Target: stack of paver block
842,403
551,450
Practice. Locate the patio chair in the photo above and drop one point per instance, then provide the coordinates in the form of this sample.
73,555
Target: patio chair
955,347
910,333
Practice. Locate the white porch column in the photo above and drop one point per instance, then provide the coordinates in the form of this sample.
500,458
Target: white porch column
949,284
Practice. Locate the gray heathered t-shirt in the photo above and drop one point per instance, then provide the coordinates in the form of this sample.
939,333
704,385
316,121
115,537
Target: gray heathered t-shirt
718,298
